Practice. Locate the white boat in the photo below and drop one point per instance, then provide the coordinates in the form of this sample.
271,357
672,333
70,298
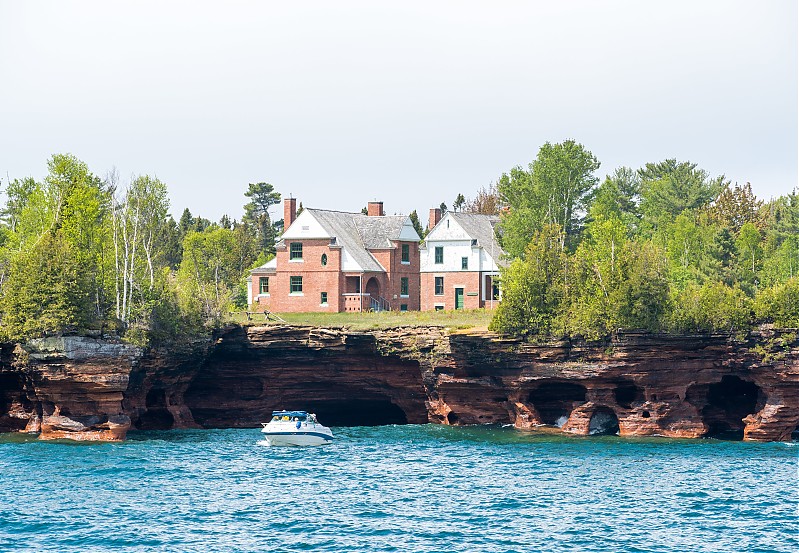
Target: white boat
296,428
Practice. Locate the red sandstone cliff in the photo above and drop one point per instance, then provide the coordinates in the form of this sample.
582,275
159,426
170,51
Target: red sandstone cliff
637,384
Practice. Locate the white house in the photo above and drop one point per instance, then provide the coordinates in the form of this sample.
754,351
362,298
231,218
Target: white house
459,262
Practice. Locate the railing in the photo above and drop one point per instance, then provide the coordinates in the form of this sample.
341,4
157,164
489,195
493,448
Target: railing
354,301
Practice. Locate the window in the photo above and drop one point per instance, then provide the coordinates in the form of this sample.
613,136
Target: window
324,259
439,286
439,254
403,307
439,308
323,299
494,289
406,253
296,285
464,263
295,250
404,286
263,285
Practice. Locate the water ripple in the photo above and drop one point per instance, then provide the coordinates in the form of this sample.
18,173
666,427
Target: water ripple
405,488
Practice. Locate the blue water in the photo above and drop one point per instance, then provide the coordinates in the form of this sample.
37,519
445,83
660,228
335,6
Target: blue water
406,488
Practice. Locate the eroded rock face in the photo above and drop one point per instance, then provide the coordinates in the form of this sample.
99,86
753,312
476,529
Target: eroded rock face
73,387
636,385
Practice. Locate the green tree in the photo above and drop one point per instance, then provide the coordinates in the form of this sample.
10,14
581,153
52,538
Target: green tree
262,196
47,291
670,188
209,273
533,287
556,189
779,304
459,203
417,226
712,307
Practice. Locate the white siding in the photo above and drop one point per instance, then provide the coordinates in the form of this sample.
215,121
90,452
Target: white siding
457,245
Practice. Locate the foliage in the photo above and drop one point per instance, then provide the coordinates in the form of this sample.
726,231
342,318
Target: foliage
47,291
779,304
80,252
486,202
712,307
664,247
262,196
417,226
533,286
555,190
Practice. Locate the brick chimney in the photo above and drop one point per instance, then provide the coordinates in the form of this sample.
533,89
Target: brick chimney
375,209
289,212
435,217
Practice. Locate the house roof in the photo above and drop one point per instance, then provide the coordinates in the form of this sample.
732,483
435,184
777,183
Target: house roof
481,228
357,233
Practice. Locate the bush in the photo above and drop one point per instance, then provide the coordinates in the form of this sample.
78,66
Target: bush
779,304
712,307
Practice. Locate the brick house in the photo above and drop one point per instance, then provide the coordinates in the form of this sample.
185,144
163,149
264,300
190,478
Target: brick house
331,261
460,261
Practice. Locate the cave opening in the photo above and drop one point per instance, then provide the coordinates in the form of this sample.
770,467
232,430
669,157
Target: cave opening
354,412
11,391
157,416
627,393
604,422
725,404
555,401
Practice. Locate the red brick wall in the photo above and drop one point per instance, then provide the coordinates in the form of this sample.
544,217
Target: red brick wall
468,280
391,260
316,279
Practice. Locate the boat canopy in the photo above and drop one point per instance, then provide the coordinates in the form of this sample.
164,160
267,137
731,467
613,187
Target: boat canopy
290,415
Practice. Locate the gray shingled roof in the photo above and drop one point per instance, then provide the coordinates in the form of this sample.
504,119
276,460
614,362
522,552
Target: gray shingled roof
356,232
482,227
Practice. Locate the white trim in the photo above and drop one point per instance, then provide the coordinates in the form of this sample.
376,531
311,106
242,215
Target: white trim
296,294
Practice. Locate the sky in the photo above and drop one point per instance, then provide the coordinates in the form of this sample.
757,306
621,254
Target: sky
409,103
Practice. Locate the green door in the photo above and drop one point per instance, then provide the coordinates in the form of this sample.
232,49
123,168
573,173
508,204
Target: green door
458,298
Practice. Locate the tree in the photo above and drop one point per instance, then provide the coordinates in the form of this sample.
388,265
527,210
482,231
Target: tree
533,287
459,203
556,189
209,272
748,244
670,187
779,304
417,226
619,196
443,208
262,196
737,206
48,291
486,202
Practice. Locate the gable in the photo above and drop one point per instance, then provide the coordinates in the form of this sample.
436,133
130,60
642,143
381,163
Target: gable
306,226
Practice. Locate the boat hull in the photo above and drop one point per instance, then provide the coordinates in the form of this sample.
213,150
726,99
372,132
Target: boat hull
297,438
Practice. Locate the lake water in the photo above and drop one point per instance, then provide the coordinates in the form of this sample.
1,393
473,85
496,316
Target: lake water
398,488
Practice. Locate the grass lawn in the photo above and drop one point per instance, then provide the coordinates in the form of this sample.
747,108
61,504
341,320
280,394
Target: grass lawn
460,319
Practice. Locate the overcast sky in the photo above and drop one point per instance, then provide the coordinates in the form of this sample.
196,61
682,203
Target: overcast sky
339,103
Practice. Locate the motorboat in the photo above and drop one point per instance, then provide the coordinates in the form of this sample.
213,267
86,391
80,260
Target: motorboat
295,428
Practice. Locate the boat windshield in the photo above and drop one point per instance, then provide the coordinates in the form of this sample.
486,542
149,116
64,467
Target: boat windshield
289,415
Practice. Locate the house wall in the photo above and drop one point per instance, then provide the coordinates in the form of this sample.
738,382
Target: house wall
396,270
457,244
468,280
316,279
